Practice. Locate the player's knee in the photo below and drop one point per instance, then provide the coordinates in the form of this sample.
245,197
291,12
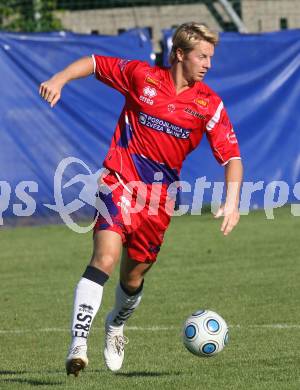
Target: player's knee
132,282
105,262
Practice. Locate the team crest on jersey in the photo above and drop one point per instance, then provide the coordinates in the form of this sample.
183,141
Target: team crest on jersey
171,107
202,102
148,94
153,81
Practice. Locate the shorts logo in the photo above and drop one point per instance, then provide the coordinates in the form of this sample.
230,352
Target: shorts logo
201,102
153,248
164,126
149,93
151,80
124,204
194,113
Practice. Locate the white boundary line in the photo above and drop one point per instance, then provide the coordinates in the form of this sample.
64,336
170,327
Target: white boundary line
150,328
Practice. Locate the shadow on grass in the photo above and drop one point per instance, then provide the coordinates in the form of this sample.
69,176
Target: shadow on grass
22,372
145,374
32,382
12,372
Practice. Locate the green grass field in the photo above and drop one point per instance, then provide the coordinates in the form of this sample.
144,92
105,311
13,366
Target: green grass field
252,278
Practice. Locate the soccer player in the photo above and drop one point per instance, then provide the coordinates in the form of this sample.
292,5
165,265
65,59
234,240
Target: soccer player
166,113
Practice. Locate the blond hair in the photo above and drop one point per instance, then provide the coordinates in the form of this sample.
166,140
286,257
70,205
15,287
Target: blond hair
188,35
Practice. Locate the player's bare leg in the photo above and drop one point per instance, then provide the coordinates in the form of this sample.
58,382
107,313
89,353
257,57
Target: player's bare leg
128,297
132,273
88,295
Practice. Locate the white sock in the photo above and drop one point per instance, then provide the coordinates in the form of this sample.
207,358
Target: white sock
125,305
87,300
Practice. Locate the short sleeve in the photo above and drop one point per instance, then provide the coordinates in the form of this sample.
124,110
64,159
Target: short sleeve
221,136
115,72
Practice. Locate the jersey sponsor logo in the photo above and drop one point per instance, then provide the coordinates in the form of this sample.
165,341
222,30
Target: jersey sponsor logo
149,93
164,126
122,64
231,137
201,102
153,81
194,113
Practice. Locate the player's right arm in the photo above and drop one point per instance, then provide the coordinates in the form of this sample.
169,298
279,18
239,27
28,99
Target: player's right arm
50,90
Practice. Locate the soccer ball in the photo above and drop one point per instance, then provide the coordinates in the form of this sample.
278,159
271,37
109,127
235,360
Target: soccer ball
205,333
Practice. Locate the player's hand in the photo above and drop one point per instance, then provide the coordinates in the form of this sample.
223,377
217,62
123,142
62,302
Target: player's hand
231,219
50,91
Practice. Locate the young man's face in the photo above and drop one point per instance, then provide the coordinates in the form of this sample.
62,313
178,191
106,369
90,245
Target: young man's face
197,62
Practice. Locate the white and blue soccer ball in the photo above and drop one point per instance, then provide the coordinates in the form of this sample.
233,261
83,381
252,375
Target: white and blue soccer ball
205,333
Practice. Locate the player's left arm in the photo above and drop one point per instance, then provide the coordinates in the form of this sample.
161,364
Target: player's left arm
224,144
230,210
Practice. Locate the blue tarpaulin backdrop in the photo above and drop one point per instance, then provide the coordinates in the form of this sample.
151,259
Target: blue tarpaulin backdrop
257,76
34,138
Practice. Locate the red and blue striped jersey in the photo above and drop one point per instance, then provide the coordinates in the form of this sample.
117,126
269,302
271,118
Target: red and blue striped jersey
158,128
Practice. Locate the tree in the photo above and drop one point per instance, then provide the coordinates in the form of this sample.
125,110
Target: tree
29,15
